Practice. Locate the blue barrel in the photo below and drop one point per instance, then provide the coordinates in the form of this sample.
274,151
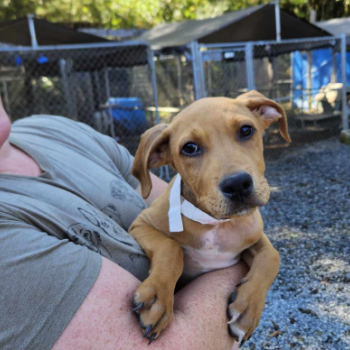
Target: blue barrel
128,114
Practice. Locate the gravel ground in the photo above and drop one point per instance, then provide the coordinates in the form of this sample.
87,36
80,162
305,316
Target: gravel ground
308,221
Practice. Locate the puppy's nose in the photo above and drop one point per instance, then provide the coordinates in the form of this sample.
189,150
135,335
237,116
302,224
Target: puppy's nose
237,187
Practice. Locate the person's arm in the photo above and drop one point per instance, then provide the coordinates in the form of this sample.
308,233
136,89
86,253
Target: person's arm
105,320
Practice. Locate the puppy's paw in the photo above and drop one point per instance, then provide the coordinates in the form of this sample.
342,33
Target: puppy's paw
244,311
153,304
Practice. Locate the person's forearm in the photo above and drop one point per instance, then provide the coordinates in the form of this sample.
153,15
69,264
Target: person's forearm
200,313
105,321
200,309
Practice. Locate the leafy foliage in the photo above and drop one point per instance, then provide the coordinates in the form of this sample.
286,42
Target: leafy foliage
147,13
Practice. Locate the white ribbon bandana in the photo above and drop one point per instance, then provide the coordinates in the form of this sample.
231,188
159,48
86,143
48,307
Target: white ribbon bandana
179,205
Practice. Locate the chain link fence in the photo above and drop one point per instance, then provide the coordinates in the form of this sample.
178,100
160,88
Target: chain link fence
225,72
174,83
110,87
305,76
113,87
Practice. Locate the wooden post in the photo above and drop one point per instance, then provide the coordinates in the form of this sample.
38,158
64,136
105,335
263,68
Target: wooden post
334,68
291,80
29,93
179,80
309,78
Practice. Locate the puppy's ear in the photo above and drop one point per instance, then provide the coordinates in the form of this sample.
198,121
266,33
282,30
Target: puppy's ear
266,110
152,152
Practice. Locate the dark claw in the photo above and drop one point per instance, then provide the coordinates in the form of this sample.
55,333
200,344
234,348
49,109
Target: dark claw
152,338
242,343
141,323
228,313
148,329
233,297
249,337
138,307
233,335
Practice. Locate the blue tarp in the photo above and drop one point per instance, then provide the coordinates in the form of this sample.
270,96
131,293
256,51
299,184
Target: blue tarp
129,115
321,72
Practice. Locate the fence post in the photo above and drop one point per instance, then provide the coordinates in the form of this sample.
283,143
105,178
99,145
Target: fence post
201,71
249,64
309,78
150,57
334,67
198,74
6,98
68,96
110,113
292,79
343,75
32,31
278,20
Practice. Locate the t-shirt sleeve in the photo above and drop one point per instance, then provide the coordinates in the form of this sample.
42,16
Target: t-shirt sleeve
80,134
120,156
43,283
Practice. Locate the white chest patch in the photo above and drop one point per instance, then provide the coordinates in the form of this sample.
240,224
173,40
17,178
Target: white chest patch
209,257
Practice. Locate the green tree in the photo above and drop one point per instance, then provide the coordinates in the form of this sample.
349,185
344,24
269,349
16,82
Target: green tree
148,13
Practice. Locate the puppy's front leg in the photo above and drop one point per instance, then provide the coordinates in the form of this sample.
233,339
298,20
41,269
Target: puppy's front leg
248,301
154,299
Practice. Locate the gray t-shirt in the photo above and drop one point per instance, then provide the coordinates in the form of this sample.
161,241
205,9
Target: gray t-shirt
55,227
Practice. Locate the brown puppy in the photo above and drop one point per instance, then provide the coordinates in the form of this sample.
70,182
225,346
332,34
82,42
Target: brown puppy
216,146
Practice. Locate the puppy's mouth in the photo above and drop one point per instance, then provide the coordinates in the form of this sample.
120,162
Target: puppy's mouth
224,209
243,211
240,211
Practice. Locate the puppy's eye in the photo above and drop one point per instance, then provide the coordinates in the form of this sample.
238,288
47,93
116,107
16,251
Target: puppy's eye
246,131
191,149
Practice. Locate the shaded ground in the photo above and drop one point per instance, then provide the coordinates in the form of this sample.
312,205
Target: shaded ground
308,221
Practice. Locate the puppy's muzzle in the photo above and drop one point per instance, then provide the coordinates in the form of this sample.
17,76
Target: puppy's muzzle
237,187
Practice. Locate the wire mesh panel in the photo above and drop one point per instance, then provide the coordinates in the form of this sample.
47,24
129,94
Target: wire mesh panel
224,71
174,83
304,76
108,87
